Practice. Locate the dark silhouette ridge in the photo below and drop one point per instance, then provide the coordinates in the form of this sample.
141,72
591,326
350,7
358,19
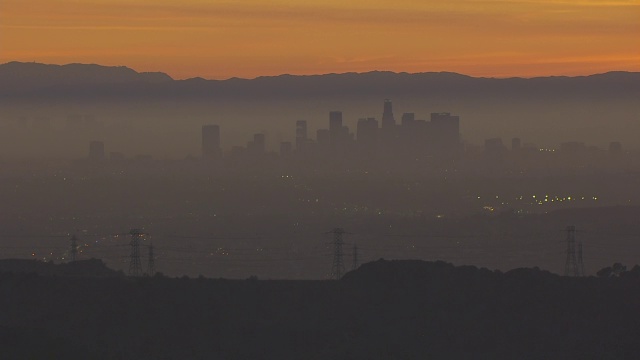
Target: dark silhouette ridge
85,81
383,310
83,268
18,76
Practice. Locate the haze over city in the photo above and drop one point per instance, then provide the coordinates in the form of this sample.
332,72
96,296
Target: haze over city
344,180
220,40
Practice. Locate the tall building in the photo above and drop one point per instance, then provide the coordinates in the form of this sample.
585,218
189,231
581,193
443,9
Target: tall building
338,134
388,121
367,134
285,149
335,124
301,134
211,141
258,145
516,144
407,119
323,140
96,151
615,147
445,134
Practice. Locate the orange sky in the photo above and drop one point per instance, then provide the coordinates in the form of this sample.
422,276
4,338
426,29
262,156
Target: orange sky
249,38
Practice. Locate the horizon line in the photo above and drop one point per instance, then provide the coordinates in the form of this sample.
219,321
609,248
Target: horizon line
320,74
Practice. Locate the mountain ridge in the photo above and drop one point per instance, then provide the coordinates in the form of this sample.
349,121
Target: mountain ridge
38,81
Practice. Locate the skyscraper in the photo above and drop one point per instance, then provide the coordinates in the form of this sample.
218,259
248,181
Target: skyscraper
285,149
338,134
211,141
445,133
516,144
258,145
335,124
301,134
388,120
323,139
408,119
367,134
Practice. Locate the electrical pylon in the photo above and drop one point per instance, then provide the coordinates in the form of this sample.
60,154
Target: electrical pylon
337,269
571,264
134,257
580,263
151,270
355,257
74,247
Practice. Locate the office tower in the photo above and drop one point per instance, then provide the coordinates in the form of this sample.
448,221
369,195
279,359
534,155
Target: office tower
445,133
407,119
411,136
367,134
335,125
615,147
211,141
388,121
338,134
388,132
494,153
494,145
258,145
323,138
96,151
285,149
516,144
301,134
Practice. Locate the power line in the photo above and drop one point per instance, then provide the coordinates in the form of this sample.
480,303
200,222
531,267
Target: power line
135,268
74,247
337,268
151,269
571,267
355,257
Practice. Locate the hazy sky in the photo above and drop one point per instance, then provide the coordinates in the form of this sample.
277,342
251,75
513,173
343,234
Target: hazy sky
222,39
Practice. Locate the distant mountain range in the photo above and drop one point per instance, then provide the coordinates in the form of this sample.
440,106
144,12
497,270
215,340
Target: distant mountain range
34,80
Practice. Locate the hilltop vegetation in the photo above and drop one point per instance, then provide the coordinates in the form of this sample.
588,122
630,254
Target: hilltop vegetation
383,310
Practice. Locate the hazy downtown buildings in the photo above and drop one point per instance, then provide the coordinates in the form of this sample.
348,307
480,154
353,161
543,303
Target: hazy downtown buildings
211,142
388,121
367,135
286,149
258,145
96,151
301,135
446,133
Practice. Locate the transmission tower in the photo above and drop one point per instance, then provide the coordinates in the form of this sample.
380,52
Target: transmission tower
337,269
571,264
74,247
355,257
151,270
580,263
134,258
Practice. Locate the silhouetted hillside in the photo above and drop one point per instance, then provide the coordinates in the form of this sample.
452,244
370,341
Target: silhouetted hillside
87,268
384,310
17,77
32,80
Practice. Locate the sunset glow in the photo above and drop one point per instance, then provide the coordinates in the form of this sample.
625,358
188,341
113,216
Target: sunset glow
219,39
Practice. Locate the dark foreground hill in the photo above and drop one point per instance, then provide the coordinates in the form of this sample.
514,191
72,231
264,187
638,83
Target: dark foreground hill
82,268
384,310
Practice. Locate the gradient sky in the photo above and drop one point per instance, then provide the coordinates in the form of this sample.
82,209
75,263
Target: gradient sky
249,38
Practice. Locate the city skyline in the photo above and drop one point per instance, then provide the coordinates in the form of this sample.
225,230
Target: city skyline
258,38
